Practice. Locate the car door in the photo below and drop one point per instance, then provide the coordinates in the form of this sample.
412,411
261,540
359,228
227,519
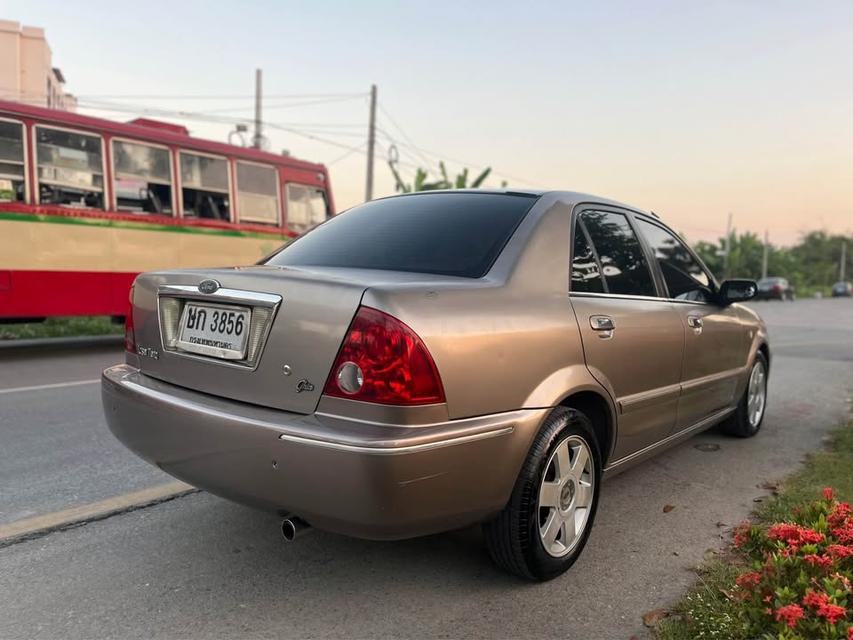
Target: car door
633,339
715,345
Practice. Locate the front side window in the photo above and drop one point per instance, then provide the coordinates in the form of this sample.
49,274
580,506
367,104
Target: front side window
455,234
257,193
306,207
11,161
143,178
684,276
620,254
204,187
586,274
70,168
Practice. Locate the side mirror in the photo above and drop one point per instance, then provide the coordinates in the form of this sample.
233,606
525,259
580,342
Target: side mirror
737,291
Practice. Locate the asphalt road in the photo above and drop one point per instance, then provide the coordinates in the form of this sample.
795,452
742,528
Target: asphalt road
201,567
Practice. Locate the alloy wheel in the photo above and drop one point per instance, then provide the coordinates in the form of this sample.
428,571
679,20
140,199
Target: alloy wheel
756,394
565,496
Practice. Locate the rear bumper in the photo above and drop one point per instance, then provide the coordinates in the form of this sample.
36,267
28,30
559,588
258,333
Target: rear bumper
352,477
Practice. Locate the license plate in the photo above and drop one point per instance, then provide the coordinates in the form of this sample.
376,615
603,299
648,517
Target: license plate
215,330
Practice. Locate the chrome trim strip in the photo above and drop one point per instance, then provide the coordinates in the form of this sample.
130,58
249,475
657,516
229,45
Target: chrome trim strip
223,296
699,426
403,449
647,398
493,417
692,385
623,296
220,295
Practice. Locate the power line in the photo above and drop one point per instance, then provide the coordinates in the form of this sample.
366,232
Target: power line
292,105
404,134
232,96
438,156
352,150
203,117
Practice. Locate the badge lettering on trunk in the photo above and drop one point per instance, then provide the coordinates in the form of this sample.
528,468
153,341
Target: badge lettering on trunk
148,352
304,385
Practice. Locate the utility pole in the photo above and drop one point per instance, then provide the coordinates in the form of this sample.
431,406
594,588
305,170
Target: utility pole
258,138
371,141
764,258
843,260
728,247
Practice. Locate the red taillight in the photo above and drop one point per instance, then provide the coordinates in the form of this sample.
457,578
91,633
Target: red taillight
777,287
384,361
129,335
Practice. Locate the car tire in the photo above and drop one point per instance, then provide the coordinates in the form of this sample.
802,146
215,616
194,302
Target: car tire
517,537
746,421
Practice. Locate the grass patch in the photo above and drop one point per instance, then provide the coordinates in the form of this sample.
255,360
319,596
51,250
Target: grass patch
832,467
60,328
709,610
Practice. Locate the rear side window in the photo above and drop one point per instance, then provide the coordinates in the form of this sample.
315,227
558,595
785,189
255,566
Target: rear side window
684,276
457,234
586,275
619,252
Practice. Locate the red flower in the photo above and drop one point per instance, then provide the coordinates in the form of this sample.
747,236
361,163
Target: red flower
815,599
839,514
809,536
839,551
794,535
850,632
741,535
818,561
828,493
832,612
844,533
748,580
784,531
790,613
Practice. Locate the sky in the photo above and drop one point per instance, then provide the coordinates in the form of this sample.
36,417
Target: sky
691,109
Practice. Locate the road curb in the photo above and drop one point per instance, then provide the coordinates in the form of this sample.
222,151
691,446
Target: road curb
38,526
75,342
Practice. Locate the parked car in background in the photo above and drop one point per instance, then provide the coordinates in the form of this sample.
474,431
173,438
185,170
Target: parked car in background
775,289
842,290
434,360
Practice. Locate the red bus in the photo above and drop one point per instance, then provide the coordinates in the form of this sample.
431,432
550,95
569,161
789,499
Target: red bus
86,204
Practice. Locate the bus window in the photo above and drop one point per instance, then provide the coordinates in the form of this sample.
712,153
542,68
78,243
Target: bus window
142,178
306,207
204,187
70,168
11,161
257,193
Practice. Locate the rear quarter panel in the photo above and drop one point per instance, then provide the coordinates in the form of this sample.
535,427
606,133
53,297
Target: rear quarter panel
510,340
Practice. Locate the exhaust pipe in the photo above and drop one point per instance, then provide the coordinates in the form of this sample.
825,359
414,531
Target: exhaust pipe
293,527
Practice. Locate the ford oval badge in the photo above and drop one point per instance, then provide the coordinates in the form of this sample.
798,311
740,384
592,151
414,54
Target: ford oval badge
208,286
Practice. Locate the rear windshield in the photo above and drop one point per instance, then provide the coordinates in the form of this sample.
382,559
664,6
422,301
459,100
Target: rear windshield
457,234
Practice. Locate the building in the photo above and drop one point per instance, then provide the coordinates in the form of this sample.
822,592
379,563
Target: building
27,73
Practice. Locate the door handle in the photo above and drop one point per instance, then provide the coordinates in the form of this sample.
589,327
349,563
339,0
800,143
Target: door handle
695,323
601,323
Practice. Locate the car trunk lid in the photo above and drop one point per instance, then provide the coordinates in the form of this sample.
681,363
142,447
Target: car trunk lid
296,322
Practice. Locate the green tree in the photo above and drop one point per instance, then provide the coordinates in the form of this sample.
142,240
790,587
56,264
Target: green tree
811,265
423,183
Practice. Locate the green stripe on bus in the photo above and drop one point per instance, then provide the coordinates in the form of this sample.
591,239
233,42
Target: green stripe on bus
139,226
